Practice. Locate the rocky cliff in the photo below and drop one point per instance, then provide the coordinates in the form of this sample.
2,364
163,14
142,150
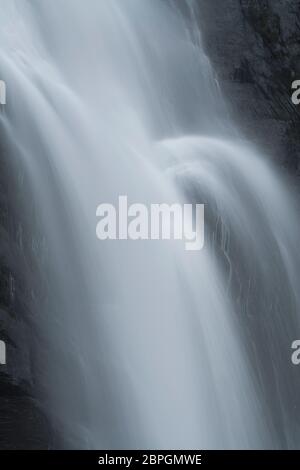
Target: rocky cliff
22,423
254,46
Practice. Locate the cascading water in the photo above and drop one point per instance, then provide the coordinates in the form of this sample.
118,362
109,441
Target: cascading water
141,343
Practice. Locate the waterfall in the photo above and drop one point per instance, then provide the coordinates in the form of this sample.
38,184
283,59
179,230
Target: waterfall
142,344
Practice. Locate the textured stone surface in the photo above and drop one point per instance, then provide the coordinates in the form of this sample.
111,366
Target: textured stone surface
254,46
22,423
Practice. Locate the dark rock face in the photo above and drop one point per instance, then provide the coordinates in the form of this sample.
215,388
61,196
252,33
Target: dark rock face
23,426
254,46
22,423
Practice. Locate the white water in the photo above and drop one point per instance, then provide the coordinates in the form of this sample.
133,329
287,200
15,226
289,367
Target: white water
142,344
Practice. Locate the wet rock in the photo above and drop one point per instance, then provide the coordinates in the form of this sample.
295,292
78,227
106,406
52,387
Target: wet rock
255,49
